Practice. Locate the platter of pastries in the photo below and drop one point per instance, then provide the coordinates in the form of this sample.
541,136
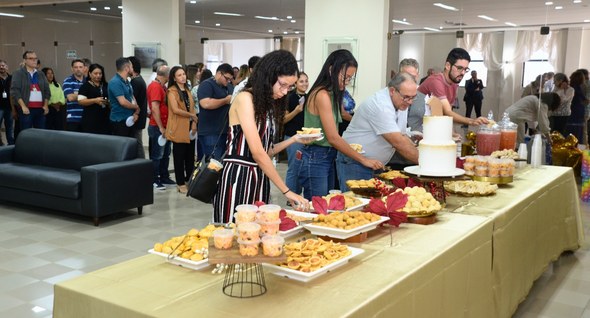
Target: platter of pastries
343,225
350,202
366,188
420,203
471,188
392,174
505,154
311,258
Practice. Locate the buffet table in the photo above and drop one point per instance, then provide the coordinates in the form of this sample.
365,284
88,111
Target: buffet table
479,260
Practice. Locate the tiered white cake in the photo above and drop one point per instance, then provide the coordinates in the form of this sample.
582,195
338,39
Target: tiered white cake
437,150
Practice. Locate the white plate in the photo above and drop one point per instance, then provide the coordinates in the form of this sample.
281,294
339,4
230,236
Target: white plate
318,135
299,228
129,122
340,233
416,171
182,261
306,277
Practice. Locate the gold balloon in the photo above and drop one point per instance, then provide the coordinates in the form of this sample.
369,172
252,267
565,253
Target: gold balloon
565,152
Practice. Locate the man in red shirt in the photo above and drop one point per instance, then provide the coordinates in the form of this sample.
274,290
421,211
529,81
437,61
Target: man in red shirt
444,85
159,155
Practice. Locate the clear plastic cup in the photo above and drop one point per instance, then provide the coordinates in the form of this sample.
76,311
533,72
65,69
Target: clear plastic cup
223,239
249,248
249,231
269,228
245,213
272,245
268,213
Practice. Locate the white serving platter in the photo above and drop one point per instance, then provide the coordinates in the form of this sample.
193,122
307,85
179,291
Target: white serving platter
182,261
364,202
343,234
415,170
299,228
306,277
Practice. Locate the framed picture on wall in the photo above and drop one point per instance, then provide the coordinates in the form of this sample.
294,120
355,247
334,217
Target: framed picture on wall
336,43
146,53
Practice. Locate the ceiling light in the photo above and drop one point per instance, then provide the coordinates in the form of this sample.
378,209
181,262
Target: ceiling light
217,24
289,17
193,2
510,24
38,309
296,32
107,8
120,7
197,21
587,20
11,15
577,1
228,13
269,31
265,18
293,21
431,29
558,7
548,3
401,22
285,32
485,17
446,7
92,9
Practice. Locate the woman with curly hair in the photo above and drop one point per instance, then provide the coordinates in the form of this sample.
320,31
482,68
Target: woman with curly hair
247,166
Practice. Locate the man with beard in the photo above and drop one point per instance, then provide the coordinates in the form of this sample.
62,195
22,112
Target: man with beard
123,104
444,85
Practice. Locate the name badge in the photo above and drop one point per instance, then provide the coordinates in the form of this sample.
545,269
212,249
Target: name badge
4,95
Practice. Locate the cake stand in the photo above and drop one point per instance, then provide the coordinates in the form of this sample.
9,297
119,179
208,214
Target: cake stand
438,179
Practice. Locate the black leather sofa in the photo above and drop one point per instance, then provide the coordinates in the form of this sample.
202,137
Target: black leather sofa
86,174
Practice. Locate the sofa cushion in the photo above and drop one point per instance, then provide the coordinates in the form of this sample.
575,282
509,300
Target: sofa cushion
71,150
53,181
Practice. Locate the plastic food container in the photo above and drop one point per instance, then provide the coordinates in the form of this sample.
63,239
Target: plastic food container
481,171
249,231
245,213
272,245
223,239
268,213
249,248
269,228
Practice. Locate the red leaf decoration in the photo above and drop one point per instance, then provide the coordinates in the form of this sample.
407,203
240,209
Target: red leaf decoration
259,203
319,205
282,214
337,202
399,182
396,218
377,206
287,224
396,201
414,183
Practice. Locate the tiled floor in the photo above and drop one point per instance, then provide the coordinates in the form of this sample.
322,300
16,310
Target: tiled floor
39,248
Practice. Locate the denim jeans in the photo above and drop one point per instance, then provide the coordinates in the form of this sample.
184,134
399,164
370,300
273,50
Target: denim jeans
6,116
35,119
350,169
208,142
316,170
291,179
159,155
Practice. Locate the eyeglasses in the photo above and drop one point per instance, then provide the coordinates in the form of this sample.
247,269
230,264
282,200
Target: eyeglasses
346,79
31,58
462,69
227,78
283,86
405,98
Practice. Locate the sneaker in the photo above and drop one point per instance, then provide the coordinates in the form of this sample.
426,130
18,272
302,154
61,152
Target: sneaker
159,186
168,182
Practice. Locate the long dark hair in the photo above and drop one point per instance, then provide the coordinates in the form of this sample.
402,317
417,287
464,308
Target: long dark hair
47,69
337,62
171,79
263,78
94,66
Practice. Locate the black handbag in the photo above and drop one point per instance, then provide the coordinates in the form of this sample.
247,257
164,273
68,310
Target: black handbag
202,184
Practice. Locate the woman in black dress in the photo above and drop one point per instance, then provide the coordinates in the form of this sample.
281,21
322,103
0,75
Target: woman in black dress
93,96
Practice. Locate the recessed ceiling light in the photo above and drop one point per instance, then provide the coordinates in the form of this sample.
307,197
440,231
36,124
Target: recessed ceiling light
401,22
296,32
431,29
120,7
558,7
285,32
577,1
289,17
510,24
444,6
269,31
228,13
107,8
548,3
485,17
587,20
193,2
11,15
92,9
38,309
265,18
217,24
197,21
293,21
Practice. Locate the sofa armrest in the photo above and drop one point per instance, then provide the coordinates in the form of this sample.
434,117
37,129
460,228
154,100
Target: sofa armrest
116,186
6,154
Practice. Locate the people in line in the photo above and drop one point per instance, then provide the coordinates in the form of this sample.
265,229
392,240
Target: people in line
182,121
122,101
379,127
293,121
5,107
139,93
30,92
248,168
54,119
530,110
533,87
94,99
71,85
558,118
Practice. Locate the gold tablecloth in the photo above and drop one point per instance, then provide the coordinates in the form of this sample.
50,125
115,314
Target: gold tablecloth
479,260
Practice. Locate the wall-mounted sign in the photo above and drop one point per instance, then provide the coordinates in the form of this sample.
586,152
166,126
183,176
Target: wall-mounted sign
71,54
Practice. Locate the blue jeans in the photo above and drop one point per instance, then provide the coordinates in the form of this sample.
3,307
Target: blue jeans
316,170
159,155
208,142
350,169
35,119
291,178
6,116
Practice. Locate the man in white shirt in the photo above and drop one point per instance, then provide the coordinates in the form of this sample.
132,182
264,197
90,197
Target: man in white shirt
379,126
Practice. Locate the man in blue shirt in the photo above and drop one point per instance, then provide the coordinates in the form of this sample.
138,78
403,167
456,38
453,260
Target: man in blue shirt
71,86
214,100
123,104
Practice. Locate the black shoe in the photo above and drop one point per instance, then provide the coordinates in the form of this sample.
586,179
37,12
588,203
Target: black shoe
168,182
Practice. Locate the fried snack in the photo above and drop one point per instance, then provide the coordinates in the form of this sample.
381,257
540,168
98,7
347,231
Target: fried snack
311,255
420,202
392,174
505,154
349,201
361,183
297,218
192,246
345,220
357,147
471,187
309,131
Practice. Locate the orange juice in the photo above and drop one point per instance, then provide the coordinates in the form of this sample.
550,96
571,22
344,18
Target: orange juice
507,139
